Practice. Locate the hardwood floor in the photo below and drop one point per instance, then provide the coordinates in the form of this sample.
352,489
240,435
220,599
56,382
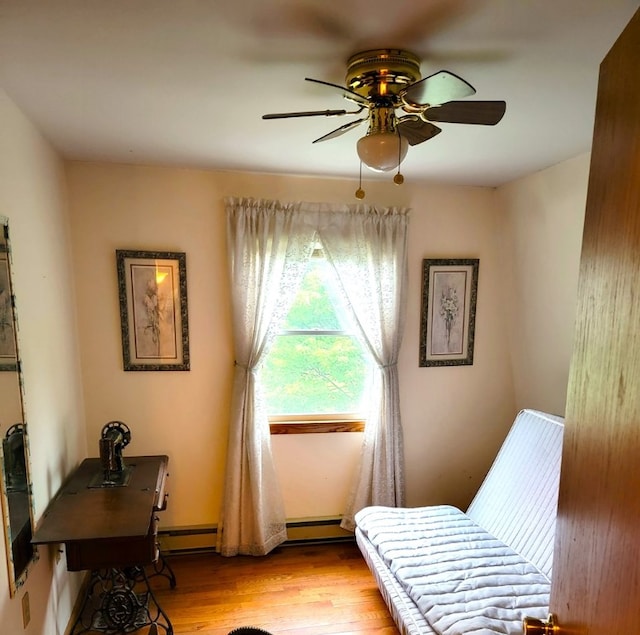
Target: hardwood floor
323,589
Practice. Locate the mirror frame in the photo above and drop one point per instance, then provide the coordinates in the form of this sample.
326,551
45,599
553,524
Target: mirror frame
16,578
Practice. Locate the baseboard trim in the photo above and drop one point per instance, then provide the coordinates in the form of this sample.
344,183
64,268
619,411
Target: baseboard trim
300,531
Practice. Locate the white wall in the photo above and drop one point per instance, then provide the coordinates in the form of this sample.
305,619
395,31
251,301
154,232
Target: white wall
543,219
33,197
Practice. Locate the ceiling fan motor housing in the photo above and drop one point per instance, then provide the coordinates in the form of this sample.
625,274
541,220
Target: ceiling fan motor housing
381,72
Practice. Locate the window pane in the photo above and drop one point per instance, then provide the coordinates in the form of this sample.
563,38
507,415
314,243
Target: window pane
313,309
314,374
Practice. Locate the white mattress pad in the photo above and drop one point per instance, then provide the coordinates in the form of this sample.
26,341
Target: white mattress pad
461,578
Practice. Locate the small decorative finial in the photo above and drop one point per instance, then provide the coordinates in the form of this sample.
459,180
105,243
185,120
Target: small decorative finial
398,179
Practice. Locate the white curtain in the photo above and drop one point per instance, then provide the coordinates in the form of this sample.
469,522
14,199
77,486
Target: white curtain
368,248
269,245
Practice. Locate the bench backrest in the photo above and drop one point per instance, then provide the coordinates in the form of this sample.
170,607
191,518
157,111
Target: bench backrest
518,499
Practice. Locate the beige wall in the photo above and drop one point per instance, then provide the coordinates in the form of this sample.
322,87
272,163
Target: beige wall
543,218
33,197
185,414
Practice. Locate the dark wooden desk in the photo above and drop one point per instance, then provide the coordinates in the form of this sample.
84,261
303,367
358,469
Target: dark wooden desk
112,531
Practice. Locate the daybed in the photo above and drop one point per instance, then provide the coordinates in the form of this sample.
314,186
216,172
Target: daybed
445,572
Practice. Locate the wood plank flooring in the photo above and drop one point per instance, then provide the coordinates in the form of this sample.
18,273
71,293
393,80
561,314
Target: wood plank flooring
324,589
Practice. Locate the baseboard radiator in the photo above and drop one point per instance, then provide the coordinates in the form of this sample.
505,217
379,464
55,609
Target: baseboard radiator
202,538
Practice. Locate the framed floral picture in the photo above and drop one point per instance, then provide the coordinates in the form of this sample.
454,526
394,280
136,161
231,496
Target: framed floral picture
448,313
152,288
8,351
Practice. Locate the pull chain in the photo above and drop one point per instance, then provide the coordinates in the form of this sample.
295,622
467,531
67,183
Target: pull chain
398,179
360,191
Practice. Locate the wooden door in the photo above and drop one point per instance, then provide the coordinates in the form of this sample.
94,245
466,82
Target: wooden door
596,573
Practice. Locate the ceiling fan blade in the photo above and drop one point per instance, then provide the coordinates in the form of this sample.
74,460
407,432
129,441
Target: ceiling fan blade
486,113
307,113
438,88
347,93
416,131
341,130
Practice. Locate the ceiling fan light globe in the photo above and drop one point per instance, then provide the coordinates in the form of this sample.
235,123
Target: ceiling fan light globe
380,151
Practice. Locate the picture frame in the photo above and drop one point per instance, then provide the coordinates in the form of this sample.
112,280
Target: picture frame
152,290
448,311
8,349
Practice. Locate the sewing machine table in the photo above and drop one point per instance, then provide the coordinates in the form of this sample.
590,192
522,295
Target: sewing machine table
112,531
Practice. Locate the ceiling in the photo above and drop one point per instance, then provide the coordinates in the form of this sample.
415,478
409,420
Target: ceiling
185,82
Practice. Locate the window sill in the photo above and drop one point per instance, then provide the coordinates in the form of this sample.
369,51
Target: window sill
313,427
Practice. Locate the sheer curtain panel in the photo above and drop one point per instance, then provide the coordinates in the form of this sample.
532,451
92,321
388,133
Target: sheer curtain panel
368,248
269,245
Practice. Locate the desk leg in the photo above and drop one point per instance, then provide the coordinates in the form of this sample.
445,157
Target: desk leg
120,601
163,568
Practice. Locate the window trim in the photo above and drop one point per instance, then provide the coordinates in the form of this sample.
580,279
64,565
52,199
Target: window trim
312,424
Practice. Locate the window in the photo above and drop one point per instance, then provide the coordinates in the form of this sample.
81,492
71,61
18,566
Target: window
316,374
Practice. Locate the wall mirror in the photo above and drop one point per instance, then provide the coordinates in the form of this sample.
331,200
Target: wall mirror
15,482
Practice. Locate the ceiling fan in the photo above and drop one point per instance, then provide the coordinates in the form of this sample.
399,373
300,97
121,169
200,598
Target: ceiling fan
399,106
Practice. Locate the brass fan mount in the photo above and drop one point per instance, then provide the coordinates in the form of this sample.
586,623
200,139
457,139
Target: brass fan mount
381,72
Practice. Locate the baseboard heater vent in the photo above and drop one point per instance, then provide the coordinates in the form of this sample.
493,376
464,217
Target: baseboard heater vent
202,538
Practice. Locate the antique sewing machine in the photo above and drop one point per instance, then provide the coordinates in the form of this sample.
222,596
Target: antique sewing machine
114,438
106,516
